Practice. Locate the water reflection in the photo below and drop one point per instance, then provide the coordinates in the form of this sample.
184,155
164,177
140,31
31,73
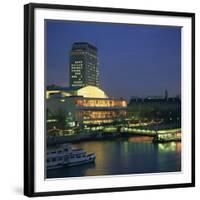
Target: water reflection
167,147
135,155
140,139
169,156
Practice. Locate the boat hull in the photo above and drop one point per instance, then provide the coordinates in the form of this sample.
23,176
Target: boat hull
81,162
90,159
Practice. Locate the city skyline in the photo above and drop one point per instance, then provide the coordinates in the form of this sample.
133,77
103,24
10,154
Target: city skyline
134,60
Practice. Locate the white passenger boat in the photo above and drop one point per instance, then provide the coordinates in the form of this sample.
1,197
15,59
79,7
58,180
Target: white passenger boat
63,155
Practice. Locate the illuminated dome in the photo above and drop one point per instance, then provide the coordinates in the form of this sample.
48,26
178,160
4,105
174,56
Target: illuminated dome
91,92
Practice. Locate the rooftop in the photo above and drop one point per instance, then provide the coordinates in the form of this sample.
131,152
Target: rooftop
83,46
86,92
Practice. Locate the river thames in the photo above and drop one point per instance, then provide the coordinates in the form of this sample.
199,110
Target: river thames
134,155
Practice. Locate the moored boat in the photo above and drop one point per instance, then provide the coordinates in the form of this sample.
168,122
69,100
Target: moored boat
63,156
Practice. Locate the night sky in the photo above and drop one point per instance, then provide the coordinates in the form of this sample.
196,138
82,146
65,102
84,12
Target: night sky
135,60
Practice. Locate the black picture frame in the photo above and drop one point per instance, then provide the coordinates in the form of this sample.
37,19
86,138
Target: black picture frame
29,174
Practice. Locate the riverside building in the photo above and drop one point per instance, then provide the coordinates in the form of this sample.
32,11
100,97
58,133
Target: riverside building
87,105
84,65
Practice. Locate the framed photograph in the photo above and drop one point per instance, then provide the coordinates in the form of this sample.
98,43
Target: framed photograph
109,99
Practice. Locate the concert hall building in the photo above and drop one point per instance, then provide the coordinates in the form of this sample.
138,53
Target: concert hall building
87,105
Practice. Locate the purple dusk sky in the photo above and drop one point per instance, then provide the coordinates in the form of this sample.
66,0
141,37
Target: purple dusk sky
135,60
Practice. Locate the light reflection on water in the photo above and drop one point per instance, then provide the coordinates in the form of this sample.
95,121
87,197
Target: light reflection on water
169,147
122,156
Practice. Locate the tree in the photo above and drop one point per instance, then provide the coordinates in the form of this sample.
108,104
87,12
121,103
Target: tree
60,117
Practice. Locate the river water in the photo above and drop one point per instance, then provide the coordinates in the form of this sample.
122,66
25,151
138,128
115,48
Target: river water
125,156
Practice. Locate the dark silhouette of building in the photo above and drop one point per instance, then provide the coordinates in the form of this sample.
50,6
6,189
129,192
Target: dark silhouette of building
167,108
84,65
166,95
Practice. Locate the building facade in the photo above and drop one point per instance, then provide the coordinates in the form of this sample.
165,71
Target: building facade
84,65
87,109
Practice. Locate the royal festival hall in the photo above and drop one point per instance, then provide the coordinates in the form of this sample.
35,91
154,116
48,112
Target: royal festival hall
87,105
